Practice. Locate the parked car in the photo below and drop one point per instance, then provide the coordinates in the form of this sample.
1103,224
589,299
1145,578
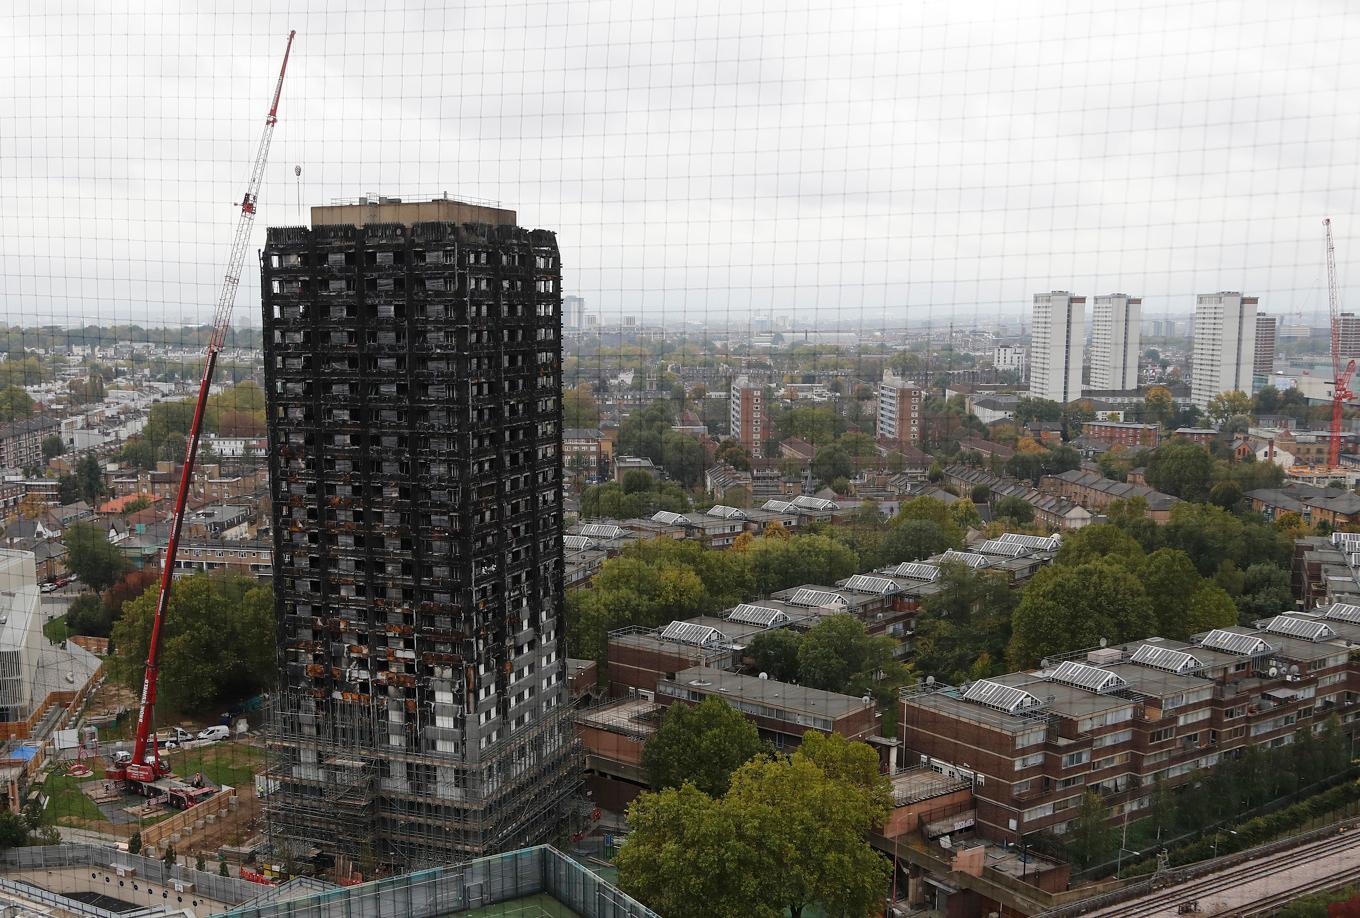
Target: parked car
213,734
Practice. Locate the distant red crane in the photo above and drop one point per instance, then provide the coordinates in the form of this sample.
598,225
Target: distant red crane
146,764
1341,376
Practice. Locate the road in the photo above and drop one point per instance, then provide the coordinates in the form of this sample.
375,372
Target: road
1256,887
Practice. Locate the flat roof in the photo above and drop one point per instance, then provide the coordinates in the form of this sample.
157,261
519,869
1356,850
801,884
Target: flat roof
628,715
785,695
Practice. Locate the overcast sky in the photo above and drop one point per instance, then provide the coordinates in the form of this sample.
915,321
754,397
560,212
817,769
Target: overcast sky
878,163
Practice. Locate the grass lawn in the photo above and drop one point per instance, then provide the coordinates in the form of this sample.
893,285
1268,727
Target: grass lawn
56,630
66,803
231,763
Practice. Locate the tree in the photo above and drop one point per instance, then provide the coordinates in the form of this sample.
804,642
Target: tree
1210,607
579,409
1159,404
1170,579
13,830
1017,510
1226,494
1090,835
52,447
967,620
831,463
88,616
222,870
1225,405
700,745
980,494
912,540
89,479
1029,408
170,856
775,652
837,655
1265,591
91,556
135,842
15,404
1181,468
1057,614
789,833
1097,542
217,641
68,489
683,457
200,862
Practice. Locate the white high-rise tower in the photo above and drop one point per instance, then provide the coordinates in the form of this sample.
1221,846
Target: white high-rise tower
1056,346
1225,345
1115,330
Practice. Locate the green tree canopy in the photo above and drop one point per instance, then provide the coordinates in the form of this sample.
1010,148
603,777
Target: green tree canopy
963,628
1015,510
217,641
1066,608
1181,468
1092,543
775,652
789,833
837,655
1266,591
912,540
701,745
830,463
1210,607
15,404
52,446
89,479
91,556
1225,405
1170,579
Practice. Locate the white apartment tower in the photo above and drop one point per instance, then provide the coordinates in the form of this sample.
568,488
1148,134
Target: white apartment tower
1225,345
1115,327
1056,344
899,409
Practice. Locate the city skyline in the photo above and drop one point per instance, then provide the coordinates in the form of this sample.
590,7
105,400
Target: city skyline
759,203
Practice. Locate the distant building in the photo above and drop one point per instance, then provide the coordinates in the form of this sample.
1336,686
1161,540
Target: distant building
1349,335
1225,345
1056,346
21,442
1115,328
1010,357
1266,333
574,312
899,410
748,415
1123,434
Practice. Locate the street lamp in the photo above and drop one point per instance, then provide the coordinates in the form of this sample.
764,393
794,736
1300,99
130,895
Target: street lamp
1217,834
1119,861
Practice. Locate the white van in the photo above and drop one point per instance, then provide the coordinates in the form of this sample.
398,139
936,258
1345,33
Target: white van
213,734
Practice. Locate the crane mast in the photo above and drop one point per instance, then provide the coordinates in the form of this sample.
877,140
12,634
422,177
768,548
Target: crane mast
1341,376
143,768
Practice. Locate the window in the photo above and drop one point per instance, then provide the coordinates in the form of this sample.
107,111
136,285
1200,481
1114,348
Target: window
1112,739
1193,717
1080,757
1029,761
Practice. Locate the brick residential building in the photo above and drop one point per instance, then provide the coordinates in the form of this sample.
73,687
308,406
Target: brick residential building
1120,433
1119,719
749,422
21,442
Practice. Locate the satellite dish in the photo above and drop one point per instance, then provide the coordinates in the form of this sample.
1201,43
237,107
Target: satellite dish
764,675
1274,670
1103,642
945,843
1294,670
1044,662
930,680
867,698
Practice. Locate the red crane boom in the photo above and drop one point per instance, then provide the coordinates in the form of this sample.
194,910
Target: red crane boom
1341,376
145,767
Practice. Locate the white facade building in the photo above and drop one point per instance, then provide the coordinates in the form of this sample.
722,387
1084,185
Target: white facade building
1056,346
899,409
1115,329
1009,357
1225,345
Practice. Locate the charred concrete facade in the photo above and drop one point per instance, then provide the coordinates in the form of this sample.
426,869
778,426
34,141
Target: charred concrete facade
414,396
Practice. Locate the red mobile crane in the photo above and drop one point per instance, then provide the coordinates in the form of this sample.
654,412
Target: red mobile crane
146,764
1341,376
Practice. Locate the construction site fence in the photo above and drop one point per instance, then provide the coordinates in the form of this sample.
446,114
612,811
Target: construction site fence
231,890
484,882
217,806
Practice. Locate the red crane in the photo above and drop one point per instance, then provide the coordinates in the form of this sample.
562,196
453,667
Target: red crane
146,764
1341,376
